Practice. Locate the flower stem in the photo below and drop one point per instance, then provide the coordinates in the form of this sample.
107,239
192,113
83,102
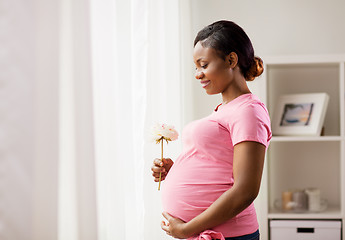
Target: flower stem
160,173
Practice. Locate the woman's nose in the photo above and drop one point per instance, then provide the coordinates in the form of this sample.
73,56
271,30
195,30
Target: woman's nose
199,74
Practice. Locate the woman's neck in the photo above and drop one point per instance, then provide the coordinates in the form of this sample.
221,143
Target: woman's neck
238,88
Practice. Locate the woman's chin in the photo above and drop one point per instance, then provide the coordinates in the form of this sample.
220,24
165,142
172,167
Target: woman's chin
210,92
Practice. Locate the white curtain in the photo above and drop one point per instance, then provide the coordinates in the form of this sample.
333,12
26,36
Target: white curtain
136,81
121,72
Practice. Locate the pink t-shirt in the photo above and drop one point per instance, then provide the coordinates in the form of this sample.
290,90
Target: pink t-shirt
203,171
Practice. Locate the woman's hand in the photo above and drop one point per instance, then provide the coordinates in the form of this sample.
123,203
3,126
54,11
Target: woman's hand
163,167
174,227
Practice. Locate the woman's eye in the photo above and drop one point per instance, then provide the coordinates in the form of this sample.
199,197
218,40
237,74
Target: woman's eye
201,66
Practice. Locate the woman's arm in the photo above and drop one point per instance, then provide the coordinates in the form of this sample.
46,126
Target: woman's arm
247,169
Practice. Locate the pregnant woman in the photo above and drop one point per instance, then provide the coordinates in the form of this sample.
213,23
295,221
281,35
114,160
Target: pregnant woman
209,190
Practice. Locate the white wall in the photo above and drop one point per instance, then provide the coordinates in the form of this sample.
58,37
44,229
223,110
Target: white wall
16,118
285,27
28,119
46,124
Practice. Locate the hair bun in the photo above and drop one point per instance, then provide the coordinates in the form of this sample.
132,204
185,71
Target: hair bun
255,70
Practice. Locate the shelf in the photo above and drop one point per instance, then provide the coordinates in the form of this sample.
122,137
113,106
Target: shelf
301,59
332,213
307,78
306,139
302,162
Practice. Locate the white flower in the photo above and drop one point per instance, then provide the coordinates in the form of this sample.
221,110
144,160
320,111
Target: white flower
163,131
160,132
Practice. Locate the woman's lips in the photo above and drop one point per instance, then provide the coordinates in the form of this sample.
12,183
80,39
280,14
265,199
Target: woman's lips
204,83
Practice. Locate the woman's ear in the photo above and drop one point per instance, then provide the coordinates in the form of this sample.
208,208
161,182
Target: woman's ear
232,58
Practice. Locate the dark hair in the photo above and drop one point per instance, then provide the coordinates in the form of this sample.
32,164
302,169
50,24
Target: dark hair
226,37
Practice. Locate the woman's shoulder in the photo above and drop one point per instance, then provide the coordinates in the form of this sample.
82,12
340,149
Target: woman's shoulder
250,108
244,103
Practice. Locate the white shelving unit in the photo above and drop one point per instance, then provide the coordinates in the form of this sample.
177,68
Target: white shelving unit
298,162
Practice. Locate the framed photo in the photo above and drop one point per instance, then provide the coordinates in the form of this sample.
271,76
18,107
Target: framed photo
300,114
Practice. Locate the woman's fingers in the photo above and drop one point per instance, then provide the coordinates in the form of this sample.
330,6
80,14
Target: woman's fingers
157,167
160,168
158,162
167,216
157,170
165,227
156,176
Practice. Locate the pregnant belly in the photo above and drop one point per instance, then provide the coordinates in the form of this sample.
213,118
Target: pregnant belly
185,201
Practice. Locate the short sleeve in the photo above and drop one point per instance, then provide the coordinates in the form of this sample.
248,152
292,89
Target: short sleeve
250,123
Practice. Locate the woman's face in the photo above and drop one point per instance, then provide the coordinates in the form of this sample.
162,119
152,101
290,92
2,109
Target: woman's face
214,73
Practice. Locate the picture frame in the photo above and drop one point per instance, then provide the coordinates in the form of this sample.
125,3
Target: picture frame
300,114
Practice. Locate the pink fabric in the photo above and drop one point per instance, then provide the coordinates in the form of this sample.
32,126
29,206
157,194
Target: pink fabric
208,235
203,171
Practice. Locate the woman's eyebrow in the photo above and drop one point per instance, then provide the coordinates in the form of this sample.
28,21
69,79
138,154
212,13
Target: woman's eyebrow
200,59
